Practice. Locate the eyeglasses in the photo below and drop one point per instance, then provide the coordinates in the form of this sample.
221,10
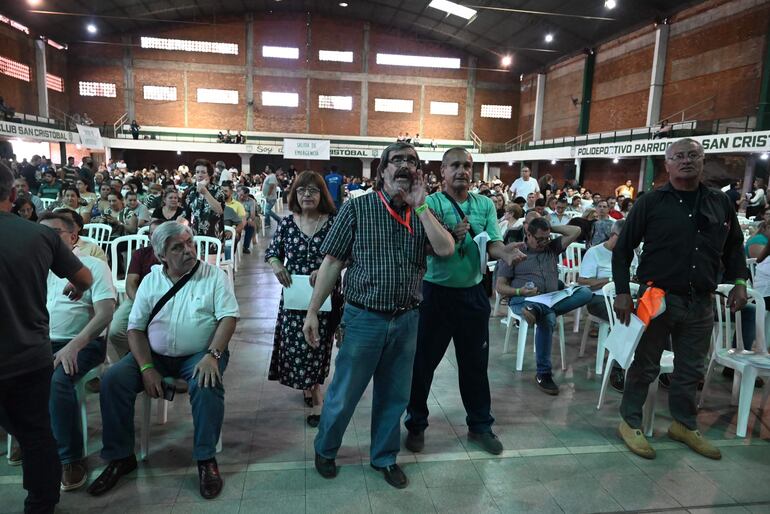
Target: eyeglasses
541,240
398,161
690,156
309,191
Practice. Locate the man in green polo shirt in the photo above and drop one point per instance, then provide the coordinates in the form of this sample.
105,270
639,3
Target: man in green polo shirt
455,305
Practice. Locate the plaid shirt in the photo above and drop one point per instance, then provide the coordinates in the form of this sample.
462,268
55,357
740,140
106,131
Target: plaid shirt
387,263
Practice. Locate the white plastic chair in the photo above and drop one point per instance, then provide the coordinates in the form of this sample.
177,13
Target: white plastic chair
625,355
101,233
263,206
752,264
604,330
203,247
569,273
144,231
522,337
133,243
230,266
144,435
80,395
747,364
47,202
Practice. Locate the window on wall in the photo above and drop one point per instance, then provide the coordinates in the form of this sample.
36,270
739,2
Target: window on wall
167,93
217,96
280,52
54,82
188,45
496,111
419,61
276,99
339,103
333,55
14,69
445,108
393,105
97,89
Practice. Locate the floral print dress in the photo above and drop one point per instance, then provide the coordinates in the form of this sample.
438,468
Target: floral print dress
203,220
294,363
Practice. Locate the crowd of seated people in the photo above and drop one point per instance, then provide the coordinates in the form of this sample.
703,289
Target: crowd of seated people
228,137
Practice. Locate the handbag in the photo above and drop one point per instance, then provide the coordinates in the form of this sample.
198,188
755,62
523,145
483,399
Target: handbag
170,293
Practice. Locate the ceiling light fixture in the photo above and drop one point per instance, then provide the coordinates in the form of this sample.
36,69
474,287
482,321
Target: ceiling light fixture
343,4
763,156
91,28
615,160
610,4
510,163
507,60
453,8
33,3
548,38
179,152
553,161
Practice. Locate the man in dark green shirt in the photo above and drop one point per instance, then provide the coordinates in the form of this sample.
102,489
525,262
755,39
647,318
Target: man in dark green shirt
50,187
384,236
455,305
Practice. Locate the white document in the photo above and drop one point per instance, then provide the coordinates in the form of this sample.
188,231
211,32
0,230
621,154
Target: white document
481,241
622,340
551,299
297,296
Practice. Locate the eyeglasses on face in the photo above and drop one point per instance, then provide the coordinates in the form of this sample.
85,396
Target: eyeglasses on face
309,191
399,160
690,156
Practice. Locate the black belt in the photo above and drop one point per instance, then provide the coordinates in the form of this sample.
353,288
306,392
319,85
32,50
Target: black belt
394,313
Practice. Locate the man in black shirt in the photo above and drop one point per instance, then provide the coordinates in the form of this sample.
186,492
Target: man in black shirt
688,231
25,348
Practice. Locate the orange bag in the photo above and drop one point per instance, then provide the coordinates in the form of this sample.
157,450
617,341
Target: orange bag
652,304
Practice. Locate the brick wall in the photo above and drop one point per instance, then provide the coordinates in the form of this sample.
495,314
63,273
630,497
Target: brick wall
332,121
56,61
18,93
563,83
496,129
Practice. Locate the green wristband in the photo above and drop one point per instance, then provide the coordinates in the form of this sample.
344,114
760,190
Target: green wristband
740,282
272,260
422,208
518,292
147,366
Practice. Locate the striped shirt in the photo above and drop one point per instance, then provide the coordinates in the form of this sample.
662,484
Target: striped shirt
387,263
541,268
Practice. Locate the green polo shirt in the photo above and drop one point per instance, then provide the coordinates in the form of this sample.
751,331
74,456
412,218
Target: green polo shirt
456,270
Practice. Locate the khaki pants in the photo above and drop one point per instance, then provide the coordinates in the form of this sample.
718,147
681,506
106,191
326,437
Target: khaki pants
118,336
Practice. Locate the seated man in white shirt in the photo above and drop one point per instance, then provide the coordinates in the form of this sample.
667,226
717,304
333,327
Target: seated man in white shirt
75,328
186,338
559,217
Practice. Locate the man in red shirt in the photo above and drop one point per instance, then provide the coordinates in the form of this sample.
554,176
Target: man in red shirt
141,261
614,212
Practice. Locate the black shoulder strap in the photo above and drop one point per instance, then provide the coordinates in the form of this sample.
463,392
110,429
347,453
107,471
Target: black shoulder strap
459,211
171,292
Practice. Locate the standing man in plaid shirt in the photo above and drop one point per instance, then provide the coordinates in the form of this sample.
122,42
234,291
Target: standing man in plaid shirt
386,237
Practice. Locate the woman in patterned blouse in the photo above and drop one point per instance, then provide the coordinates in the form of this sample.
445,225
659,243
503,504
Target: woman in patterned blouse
295,250
205,202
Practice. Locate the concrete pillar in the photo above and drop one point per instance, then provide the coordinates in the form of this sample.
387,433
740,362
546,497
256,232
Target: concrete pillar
366,169
245,162
646,174
470,97
578,163
107,154
588,87
249,73
656,80
186,94
128,78
537,126
422,109
364,121
41,70
485,171
63,152
748,176
308,102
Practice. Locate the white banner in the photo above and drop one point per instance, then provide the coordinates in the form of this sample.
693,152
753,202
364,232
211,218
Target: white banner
90,137
313,149
17,130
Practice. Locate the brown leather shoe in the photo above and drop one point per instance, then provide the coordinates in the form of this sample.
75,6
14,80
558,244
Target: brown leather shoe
73,475
635,440
111,474
210,481
693,439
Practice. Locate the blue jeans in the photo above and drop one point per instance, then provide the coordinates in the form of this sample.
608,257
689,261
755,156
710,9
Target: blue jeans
63,405
123,381
546,321
748,326
269,204
248,235
374,345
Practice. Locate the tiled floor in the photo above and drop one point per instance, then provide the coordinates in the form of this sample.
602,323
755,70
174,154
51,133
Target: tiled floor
562,455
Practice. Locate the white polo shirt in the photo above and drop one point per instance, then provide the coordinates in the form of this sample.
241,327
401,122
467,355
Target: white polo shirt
67,317
524,187
597,263
186,324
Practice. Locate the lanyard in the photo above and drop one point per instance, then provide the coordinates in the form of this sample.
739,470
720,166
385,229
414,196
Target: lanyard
395,216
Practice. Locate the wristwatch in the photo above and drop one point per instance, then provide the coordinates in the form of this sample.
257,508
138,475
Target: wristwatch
215,353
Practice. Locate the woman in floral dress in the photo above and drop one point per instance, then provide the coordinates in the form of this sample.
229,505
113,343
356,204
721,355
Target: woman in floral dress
204,202
294,250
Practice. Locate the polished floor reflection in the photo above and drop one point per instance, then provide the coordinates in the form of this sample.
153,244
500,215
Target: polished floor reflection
562,455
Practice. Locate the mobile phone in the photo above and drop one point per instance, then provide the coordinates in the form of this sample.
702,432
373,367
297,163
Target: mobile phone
169,390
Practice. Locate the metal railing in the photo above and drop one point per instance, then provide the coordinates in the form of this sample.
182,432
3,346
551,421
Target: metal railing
64,120
477,142
671,117
117,127
517,142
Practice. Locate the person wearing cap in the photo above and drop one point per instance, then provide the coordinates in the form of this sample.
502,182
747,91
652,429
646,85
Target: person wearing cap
690,232
455,306
384,237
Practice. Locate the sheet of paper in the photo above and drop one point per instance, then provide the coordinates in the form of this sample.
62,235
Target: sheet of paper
481,241
622,340
551,299
297,296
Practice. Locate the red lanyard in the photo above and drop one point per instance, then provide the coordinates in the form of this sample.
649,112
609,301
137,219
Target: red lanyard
404,222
